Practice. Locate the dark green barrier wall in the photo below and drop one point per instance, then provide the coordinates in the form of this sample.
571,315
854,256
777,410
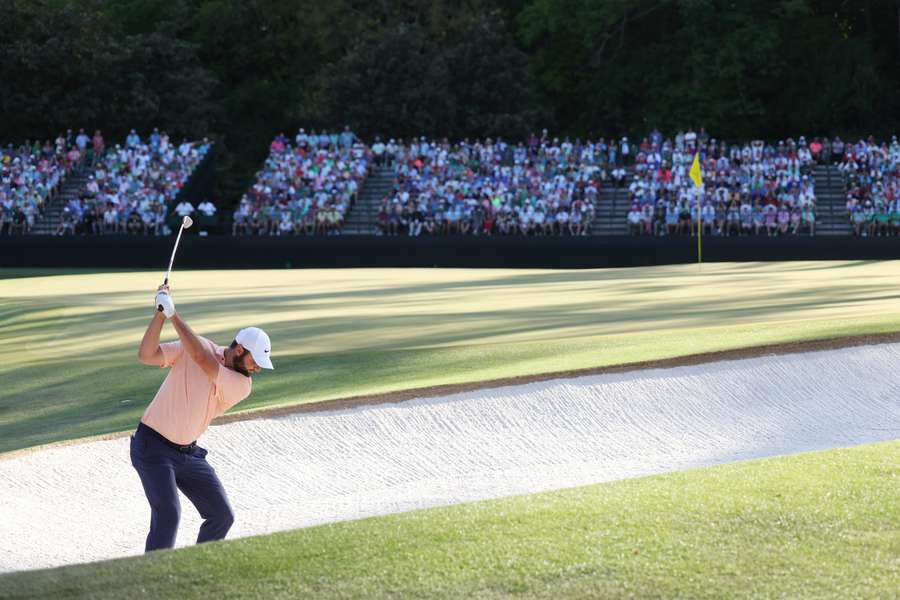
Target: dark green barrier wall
589,252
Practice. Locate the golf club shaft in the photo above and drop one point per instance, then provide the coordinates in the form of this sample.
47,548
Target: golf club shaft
171,260
175,249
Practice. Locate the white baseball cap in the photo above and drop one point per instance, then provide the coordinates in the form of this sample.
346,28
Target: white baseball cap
257,342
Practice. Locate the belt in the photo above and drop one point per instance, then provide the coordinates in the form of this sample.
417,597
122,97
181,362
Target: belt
185,448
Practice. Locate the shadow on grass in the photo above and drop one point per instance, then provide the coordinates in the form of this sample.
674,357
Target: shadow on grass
22,273
81,398
100,391
443,325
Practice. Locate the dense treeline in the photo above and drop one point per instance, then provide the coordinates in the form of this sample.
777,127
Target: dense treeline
243,70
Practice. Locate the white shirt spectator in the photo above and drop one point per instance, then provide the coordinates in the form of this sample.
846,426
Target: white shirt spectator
286,224
207,208
184,209
82,140
690,139
634,216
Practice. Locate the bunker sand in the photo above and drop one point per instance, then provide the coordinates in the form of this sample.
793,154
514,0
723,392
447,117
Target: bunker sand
83,502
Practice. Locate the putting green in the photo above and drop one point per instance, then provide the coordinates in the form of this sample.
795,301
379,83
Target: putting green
70,369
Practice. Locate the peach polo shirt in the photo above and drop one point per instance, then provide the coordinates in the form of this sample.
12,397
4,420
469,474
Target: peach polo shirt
188,400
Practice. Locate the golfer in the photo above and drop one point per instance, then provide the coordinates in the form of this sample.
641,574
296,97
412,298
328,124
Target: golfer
204,381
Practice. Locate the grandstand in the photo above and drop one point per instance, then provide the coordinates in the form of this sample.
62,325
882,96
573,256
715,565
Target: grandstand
611,210
306,187
31,175
338,187
488,187
363,216
832,217
872,179
383,180
145,179
70,190
614,201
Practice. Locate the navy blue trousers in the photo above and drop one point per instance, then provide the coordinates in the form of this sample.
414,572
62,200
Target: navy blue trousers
163,471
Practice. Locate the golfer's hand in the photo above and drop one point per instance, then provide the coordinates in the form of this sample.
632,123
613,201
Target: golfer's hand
164,300
163,288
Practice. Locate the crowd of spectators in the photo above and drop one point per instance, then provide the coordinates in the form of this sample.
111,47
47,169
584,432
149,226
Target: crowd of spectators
539,187
872,174
305,187
753,188
31,175
133,186
544,186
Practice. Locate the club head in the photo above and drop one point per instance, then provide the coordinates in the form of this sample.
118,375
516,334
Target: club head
186,222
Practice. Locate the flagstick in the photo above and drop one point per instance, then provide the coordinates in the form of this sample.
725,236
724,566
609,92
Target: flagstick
699,231
696,175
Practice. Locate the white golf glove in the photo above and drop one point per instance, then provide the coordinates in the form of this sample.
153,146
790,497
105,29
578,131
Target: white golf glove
165,300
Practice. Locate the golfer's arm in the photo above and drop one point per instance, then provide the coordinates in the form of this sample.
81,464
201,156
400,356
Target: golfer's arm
196,349
149,352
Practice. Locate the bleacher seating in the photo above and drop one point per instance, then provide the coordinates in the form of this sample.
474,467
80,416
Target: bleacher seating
306,187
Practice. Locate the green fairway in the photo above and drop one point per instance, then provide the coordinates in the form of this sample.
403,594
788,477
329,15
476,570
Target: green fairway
71,370
818,525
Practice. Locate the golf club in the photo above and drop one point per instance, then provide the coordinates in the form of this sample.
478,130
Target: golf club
185,223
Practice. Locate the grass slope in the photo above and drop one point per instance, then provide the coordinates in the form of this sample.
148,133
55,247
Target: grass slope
71,369
816,525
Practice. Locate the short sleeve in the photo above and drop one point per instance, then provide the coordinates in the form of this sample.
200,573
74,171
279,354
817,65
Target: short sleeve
231,387
172,351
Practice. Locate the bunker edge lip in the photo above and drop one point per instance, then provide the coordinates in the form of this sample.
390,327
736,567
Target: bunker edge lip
815,345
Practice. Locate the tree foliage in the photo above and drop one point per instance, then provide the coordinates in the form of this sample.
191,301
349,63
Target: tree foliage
761,68
244,70
70,65
404,82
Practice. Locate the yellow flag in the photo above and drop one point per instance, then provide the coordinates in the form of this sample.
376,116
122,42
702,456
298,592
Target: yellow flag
695,171
697,178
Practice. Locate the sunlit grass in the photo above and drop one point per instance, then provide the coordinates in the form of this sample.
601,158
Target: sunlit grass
71,368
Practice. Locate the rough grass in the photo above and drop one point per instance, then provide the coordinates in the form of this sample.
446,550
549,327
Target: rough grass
70,369
817,525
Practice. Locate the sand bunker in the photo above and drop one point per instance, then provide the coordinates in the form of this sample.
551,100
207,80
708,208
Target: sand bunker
84,502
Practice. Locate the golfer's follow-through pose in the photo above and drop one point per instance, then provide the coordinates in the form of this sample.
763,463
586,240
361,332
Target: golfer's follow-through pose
203,382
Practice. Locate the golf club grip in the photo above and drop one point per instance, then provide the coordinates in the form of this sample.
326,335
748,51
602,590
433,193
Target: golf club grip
159,307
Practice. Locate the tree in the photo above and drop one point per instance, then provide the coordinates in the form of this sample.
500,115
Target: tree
763,68
403,82
244,70
68,66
